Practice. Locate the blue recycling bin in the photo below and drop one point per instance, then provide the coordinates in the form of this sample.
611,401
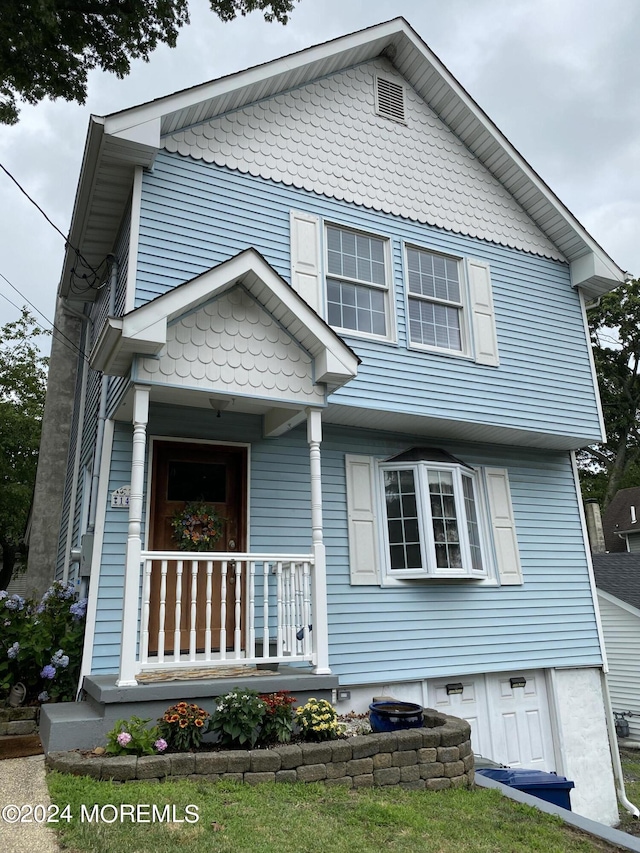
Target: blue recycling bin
547,786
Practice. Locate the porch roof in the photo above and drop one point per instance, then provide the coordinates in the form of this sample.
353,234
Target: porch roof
143,331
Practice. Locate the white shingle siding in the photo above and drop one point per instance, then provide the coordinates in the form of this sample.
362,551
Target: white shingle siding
233,345
420,170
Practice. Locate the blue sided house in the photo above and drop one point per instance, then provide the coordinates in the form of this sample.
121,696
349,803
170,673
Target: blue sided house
337,371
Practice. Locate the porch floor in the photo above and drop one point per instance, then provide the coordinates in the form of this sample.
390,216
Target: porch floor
84,725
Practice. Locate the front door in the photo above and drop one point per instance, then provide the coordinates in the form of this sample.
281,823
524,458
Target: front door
186,473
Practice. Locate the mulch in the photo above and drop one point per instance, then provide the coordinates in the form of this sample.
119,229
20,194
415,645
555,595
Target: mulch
20,746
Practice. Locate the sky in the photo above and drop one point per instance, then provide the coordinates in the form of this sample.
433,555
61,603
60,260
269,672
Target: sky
558,77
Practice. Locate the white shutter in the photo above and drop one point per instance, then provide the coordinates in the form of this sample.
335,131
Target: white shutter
504,526
305,259
482,316
363,532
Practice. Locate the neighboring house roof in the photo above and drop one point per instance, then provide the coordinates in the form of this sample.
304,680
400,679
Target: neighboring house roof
119,142
619,575
621,516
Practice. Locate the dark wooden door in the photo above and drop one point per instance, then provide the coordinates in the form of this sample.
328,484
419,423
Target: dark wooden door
183,473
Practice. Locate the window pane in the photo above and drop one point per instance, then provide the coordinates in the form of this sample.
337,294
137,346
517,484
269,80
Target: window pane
402,520
360,257
435,278
472,524
444,520
342,299
195,481
433,324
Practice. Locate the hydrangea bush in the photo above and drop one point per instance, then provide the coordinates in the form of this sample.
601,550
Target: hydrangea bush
132,737
41,643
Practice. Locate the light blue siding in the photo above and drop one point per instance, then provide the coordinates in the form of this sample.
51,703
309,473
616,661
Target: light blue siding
196,215
421,629
98,314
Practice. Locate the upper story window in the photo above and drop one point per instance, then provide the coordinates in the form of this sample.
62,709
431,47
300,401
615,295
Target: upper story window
432,520
357,282
435,303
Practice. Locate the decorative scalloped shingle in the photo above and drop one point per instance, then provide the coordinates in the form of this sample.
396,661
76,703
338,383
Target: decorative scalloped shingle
326,137
233,345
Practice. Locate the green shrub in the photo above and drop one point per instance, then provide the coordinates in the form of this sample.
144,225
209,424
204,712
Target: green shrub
277,723
41,644
238,717
132,737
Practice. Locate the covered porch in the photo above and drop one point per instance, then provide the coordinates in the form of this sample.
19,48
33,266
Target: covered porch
235,339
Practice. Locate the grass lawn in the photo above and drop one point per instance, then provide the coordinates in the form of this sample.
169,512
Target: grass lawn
631,770
235,818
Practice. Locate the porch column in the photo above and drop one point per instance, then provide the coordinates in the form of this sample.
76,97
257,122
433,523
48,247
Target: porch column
134,542
320,620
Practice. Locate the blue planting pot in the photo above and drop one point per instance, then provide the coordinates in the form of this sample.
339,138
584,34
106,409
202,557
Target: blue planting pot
390,716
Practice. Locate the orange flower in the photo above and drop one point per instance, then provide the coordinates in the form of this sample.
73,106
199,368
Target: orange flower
199,723
183,724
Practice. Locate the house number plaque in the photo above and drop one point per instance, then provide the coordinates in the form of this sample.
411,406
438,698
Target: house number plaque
120,497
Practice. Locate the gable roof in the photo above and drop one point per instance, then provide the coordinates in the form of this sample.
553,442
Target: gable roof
617,518
143,331
118,142
619,575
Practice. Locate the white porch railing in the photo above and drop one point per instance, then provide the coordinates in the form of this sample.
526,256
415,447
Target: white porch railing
211,609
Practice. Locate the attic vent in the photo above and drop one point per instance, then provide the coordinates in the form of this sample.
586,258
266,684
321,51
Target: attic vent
389,99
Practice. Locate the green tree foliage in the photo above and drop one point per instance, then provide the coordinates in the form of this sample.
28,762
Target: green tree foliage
23,376
615,337
47,47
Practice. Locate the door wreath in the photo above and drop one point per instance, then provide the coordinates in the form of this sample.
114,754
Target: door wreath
197,527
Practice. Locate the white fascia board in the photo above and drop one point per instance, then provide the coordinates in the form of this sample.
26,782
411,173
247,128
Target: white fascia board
84,191
241,79
618,602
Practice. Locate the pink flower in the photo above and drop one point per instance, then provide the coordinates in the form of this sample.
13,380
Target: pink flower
161,744
124,738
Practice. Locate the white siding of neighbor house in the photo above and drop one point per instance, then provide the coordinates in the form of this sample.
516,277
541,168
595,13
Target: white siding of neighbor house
621,628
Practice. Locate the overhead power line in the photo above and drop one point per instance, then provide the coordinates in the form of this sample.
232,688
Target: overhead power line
68,244
70,345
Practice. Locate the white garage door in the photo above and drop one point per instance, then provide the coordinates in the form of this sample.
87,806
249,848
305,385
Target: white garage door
510,725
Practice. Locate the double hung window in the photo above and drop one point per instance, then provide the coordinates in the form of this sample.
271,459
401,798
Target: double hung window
435,301
357,286
432,520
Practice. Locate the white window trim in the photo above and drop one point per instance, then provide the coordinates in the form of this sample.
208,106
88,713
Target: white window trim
465,304
388,287
389,577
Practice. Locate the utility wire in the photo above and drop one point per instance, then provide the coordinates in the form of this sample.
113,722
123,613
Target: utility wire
71,345
53,225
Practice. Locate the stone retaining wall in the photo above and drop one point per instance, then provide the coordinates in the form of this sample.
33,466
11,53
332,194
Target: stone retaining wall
431,758
18,721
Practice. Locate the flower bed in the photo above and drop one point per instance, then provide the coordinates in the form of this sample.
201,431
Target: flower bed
434,758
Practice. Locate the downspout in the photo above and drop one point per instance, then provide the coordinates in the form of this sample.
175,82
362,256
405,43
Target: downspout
76,460
613,746
102,410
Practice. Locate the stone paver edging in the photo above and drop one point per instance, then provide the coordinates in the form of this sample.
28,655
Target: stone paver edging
431,758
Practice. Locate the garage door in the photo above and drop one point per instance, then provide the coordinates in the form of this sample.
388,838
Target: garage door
509,724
